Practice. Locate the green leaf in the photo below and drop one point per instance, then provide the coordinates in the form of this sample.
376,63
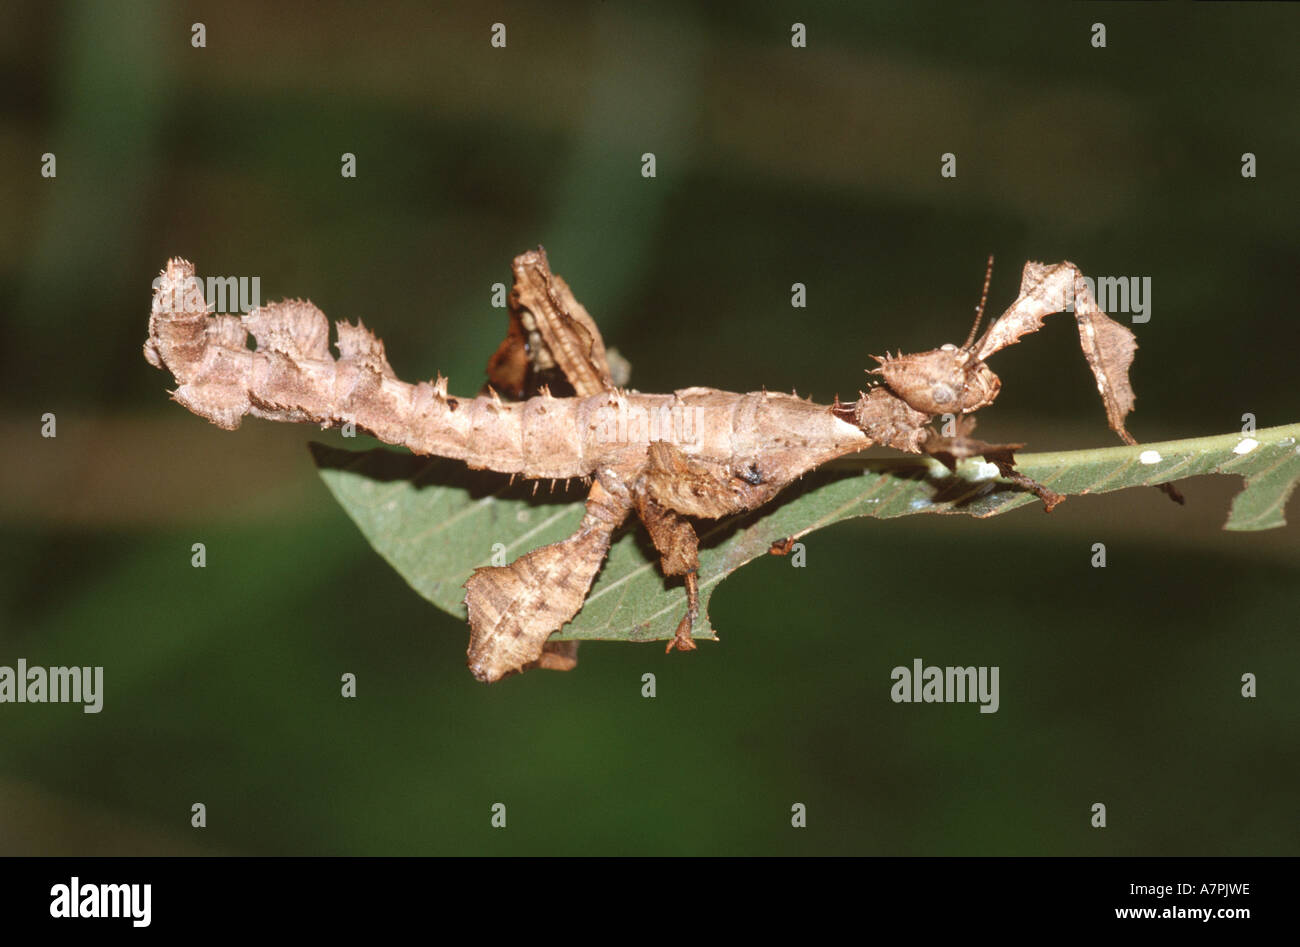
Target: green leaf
435,521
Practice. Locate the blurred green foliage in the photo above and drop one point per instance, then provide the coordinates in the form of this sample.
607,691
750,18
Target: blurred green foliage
774,165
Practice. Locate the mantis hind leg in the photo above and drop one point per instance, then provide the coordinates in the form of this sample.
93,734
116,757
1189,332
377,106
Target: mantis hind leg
679,554
514,609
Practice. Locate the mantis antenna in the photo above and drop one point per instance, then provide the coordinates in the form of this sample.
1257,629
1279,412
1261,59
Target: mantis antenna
979,312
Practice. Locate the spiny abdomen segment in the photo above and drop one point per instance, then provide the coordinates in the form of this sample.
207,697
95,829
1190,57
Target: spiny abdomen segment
291,376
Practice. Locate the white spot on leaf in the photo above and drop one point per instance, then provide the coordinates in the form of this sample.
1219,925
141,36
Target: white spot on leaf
986,471
1150,457
1245,445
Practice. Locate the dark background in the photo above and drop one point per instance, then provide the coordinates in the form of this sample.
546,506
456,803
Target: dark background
774,165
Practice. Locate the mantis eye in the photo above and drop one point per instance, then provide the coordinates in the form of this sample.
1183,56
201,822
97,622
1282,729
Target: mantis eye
942,394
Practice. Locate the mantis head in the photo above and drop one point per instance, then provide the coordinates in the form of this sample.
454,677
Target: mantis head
946,380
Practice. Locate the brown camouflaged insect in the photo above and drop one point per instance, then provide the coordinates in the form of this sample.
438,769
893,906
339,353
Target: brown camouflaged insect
697,453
